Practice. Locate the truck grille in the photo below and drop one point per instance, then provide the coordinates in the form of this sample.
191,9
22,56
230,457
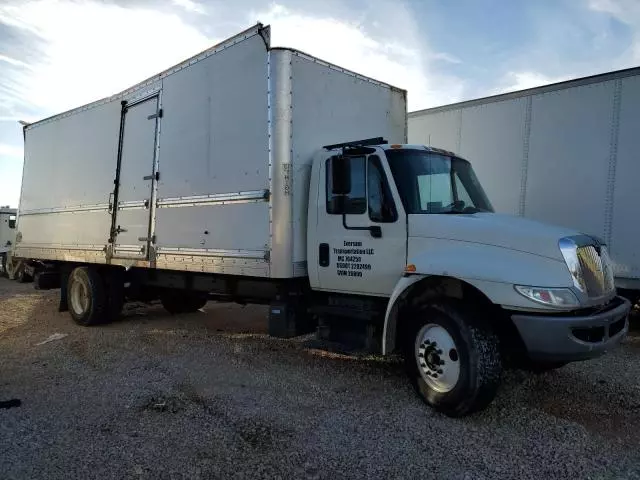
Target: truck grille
596,271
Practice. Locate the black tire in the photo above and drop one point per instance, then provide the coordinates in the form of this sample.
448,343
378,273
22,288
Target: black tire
476,349
176,302
87,297
22,276
3,261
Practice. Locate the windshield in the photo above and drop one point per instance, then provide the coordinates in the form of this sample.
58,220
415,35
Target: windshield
430,182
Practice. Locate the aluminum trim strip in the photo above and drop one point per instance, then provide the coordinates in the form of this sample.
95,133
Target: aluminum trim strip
215,199
58,246
214,252
132,205
78,208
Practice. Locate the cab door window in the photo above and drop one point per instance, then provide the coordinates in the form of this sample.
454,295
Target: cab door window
370,191
356,200
382,209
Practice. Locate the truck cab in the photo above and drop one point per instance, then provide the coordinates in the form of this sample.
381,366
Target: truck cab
465,289
7,234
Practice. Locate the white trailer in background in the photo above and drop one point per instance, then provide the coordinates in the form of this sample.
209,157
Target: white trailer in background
257,174
567,154
7,234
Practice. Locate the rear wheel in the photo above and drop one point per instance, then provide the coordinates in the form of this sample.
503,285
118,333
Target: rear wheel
87,296
3,261
453,359
21,275
182,302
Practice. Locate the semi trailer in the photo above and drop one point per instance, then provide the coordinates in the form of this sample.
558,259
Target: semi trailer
264,175
7,234
565,153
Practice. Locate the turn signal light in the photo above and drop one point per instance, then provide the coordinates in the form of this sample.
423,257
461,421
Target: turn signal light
411,268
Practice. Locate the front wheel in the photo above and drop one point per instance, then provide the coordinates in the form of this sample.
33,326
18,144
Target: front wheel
453,359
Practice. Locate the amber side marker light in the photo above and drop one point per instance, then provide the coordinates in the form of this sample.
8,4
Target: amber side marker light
411,268
395,145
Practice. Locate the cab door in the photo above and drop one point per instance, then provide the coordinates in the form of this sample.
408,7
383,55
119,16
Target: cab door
353,257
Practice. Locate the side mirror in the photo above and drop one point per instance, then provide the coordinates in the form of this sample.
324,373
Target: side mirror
340,175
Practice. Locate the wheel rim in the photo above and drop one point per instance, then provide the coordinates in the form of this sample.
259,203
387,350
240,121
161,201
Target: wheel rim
437,357
79,297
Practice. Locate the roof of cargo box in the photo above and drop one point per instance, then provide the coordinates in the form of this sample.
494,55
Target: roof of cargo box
553,87
258,29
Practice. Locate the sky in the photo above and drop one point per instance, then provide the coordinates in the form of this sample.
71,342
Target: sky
60,54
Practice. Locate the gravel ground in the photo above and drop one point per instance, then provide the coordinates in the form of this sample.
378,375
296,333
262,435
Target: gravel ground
209,395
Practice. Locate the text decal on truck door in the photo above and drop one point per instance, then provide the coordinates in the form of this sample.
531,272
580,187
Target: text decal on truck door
352,260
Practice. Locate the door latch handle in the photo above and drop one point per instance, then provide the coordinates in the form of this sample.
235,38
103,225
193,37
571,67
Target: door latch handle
323,255
120,229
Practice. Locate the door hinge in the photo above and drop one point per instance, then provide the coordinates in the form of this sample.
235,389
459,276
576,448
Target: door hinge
158,114
147,239
151,177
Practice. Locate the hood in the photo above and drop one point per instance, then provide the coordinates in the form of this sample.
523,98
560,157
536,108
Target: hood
506,231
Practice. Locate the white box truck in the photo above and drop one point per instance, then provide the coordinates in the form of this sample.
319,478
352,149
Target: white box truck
258,174
565,153
7,234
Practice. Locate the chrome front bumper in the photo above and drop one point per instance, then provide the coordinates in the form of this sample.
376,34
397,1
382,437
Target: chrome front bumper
569,338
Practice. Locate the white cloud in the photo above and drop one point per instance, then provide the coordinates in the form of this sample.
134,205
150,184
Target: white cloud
109,49
10,151
514,81
401,58
445,57
627,12
190,6
12,61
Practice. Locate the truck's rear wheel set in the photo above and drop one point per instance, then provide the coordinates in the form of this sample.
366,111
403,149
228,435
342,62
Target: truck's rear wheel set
452,358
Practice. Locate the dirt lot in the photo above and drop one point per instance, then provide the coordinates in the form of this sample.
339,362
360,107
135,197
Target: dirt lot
209,395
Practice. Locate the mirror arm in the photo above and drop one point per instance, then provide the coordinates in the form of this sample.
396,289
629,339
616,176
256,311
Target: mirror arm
375,230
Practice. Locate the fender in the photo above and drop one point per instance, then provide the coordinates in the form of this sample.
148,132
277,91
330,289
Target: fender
492,270
390,320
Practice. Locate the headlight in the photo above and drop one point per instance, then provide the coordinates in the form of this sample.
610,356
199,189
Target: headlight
555,297
569,251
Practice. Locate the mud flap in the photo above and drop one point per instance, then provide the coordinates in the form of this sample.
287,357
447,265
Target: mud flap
64,280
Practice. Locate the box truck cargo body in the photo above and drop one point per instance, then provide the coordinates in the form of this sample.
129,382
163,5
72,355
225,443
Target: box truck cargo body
258,174
204,156
565,153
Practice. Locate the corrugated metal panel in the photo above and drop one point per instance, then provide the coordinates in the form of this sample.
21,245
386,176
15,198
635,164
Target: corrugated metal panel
496,161
214,140
625,247
553,87
569,157
440,130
